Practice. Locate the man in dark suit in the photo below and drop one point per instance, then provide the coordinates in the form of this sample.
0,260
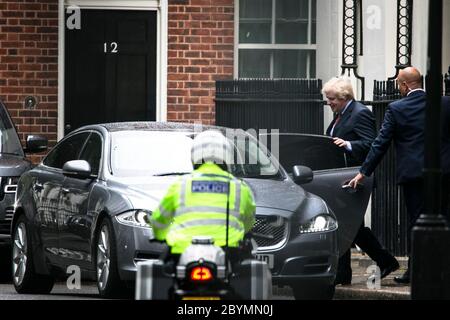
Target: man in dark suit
404,122
353,128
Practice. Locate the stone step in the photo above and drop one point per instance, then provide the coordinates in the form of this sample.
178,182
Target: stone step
361,289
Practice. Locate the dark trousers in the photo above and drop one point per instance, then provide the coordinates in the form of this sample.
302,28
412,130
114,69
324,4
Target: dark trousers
413,193
366,240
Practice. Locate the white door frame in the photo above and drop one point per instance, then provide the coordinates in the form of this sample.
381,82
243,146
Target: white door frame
161,8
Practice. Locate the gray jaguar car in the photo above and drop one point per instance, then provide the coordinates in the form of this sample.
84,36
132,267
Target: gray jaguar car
12,164
87,203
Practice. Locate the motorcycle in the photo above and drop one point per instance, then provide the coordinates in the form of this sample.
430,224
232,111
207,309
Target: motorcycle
204,272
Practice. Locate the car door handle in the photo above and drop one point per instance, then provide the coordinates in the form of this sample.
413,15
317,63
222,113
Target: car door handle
349,189
65,190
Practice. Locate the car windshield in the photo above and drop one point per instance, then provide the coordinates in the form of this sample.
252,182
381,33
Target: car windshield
10,143
156,153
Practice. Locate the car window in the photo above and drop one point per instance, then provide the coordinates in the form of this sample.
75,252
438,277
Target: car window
9,141
147,153
315,152
92,152
251,160
67,150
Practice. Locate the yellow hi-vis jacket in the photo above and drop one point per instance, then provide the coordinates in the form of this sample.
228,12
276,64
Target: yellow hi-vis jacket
196,206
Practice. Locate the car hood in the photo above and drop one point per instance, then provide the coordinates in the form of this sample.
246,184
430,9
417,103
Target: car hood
274,194
146,193
12,165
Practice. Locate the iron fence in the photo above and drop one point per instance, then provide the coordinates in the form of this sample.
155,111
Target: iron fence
290,105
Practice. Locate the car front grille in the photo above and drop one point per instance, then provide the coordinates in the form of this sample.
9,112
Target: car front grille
270,232
5,224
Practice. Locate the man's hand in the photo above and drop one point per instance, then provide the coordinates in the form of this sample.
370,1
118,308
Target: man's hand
356,180
340,143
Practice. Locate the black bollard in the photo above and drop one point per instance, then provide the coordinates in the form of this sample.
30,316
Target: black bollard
430,267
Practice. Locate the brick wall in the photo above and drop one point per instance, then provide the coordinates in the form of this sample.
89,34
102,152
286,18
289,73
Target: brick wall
200,41
28,64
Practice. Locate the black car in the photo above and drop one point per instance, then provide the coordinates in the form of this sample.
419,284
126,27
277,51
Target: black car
12,165
87,204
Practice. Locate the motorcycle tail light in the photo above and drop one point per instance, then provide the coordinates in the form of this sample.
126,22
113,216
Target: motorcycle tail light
201,273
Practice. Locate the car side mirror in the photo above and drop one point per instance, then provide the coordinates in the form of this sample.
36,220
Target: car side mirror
79,169
302,175
36,144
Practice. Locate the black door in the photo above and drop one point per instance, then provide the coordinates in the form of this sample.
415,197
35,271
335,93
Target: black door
110,68
329,164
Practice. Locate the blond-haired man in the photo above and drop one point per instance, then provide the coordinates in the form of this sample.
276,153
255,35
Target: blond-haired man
353,126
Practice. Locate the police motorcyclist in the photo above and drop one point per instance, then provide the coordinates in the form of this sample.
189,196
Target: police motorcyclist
196,205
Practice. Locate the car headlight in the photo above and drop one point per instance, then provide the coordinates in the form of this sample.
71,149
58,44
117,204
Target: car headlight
320,223
135,218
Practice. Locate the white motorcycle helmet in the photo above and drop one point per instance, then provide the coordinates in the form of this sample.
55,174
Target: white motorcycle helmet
212,146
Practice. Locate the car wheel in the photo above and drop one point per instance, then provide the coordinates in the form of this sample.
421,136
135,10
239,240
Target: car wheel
108,280
24,277
311,292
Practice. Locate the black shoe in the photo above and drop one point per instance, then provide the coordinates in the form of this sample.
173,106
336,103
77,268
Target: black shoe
404,279
344,280
389,268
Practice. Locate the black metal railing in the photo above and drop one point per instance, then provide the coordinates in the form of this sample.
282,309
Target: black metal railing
404,35
290,105
352,40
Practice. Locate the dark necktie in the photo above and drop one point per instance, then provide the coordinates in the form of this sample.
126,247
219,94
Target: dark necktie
338,118
336,121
